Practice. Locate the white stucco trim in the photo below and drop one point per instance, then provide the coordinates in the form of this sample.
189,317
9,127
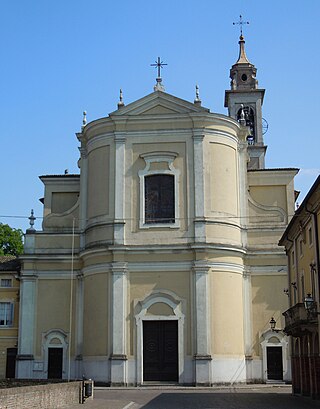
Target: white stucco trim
119,194
199,188
283,342
156,157
177,306
47,338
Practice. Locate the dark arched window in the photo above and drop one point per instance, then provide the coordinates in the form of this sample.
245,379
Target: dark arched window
159,199
249,117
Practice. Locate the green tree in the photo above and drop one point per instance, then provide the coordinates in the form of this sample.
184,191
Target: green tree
10,240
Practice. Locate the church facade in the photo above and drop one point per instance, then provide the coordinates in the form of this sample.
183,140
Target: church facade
159,262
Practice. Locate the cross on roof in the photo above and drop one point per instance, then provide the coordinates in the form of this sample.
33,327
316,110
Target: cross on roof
159,64
240,23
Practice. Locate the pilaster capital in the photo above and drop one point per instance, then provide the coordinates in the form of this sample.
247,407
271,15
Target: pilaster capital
80,276
242,146
198,135
201,267
28,276
120,137
247,272
83,153
119,268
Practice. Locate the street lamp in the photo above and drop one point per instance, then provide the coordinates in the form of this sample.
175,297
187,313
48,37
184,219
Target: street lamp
308,302
273,324
310,305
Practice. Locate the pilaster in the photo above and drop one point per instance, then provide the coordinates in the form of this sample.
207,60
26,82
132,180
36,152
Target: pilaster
83,195
202,356
28,289
119,223
199,220
79,325
119,313
247,323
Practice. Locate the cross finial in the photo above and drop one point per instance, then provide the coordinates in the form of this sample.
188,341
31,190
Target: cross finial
159,64
240,23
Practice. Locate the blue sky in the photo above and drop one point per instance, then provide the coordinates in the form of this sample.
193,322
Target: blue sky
60,58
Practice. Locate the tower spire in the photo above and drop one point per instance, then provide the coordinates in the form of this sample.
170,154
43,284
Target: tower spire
244,102
243,59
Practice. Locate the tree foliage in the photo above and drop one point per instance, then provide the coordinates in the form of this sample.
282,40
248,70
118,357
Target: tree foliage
10,240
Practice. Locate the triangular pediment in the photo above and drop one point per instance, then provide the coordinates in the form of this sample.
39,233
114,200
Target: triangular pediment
159,103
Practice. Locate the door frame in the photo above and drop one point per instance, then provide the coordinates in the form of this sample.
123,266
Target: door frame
282,341
55,338
176,304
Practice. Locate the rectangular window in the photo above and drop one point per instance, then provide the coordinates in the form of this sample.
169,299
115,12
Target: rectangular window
159,199
6,314
6,282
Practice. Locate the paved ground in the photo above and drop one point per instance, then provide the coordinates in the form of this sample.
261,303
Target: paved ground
247,397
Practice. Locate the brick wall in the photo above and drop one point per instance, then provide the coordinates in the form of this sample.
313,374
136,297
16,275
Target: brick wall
50,396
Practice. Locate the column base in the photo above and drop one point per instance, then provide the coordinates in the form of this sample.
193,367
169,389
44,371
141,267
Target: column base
24,364
118,370
203,370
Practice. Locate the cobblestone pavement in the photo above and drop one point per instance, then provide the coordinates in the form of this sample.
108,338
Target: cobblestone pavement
246,397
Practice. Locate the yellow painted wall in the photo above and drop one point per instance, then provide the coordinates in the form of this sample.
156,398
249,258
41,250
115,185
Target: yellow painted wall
270,195
226,313
98,186
63,201
268,300
96,318
223,179
53,308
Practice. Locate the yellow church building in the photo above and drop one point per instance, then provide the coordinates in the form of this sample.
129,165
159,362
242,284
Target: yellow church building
159,261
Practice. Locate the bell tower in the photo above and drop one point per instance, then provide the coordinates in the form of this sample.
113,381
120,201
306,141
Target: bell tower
244,102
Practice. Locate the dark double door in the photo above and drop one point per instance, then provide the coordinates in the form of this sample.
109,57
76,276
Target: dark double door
160,351
274,363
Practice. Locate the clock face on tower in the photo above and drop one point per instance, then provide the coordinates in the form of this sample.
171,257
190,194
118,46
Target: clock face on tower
265,126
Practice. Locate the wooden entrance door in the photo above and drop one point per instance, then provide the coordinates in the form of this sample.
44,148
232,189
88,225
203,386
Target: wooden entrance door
11,362
160,351
274,363
55,356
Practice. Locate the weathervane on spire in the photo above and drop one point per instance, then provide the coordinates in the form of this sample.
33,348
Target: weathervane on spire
240,23
158,64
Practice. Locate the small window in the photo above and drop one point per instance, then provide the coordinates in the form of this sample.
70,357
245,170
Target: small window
6,314
159,199
6,282
292,258
310,237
